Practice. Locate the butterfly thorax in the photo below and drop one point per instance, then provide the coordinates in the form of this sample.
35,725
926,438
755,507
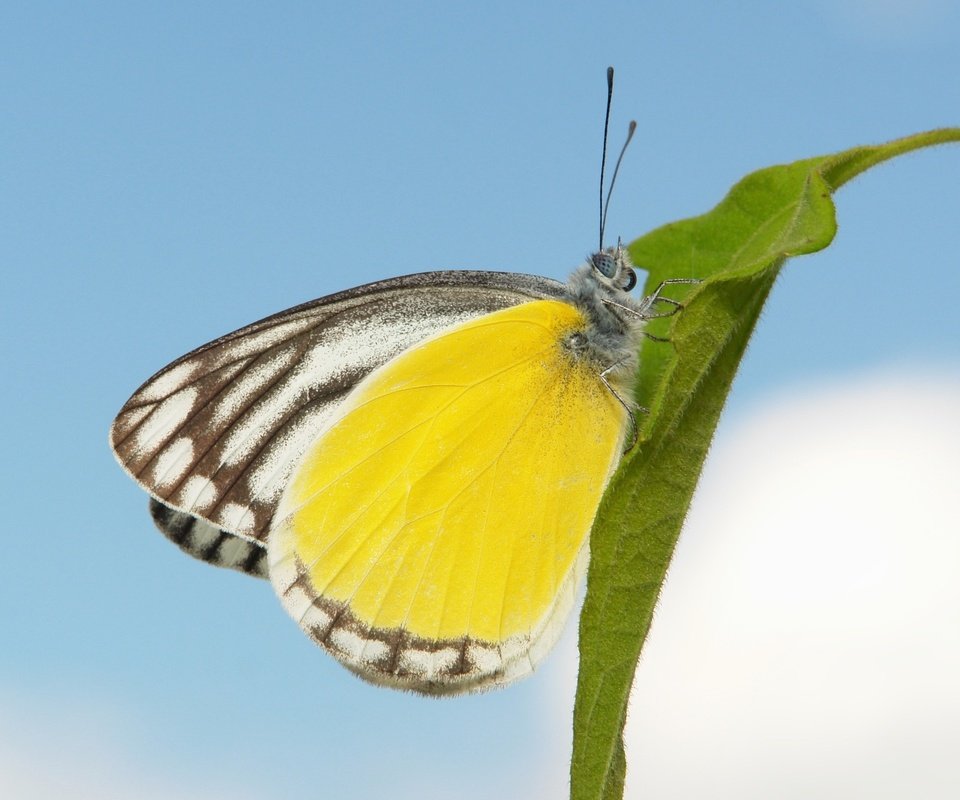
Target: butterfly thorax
600,289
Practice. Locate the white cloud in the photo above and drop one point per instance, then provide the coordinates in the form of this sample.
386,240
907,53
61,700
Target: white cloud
51,749
807,643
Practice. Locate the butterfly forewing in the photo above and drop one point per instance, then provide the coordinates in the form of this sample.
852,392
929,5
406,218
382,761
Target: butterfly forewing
216,435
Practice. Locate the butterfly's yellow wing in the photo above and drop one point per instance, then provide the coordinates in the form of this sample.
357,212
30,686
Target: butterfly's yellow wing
432,536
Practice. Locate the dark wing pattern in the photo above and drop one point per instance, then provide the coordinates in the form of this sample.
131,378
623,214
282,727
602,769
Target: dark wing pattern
214,436
200,539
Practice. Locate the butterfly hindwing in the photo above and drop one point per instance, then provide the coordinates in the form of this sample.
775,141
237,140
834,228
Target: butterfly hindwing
207,542
215,435
432,537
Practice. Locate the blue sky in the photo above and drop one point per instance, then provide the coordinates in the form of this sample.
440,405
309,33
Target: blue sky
172,171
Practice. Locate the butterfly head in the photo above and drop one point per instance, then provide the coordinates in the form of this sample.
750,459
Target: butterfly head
612,268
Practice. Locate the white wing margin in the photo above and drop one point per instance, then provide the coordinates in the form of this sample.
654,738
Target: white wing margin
215,435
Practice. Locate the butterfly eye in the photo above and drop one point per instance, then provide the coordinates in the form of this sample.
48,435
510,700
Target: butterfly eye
604,263
631,280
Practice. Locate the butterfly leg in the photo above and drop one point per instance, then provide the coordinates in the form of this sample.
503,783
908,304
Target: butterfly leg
634,429
655,297
660,339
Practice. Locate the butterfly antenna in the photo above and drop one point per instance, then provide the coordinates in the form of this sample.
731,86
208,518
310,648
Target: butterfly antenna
603,219
603,157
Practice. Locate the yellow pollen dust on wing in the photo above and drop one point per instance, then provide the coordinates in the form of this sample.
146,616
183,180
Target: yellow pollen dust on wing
456,489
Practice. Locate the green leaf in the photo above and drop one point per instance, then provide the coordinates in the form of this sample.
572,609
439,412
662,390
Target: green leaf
737,250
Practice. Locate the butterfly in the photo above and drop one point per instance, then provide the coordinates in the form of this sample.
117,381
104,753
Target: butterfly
414,464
